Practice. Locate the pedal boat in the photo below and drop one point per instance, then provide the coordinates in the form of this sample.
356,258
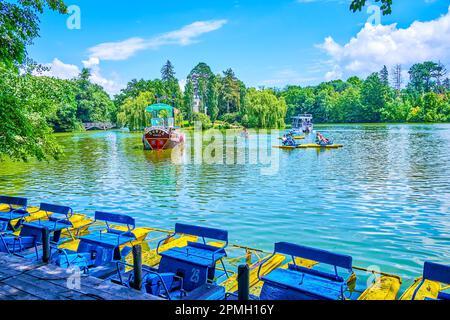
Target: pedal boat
316,274
186,272
433,285
57,219
109,240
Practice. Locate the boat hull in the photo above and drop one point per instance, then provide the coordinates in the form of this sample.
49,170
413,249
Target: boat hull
162,139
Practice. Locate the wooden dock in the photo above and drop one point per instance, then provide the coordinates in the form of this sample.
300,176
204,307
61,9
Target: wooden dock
23,279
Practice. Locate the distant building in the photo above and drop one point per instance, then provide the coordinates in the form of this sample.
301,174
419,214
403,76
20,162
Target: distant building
197,103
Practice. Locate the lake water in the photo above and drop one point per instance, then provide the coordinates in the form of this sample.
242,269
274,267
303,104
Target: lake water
384,198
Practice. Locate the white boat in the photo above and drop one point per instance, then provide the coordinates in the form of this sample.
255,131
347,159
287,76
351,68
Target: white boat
302,124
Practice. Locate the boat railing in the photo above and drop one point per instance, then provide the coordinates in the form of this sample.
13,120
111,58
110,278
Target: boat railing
163,122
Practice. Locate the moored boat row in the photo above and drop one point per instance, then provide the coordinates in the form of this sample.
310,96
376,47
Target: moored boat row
197,262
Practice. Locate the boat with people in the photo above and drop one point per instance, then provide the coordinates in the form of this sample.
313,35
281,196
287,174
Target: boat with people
162,134
302,123
197,262
321,142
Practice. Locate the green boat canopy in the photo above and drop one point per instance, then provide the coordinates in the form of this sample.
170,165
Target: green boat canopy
158,107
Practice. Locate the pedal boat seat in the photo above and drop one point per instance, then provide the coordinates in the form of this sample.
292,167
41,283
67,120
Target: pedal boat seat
300,283
193,266
437,273
12,208
109,237
58,220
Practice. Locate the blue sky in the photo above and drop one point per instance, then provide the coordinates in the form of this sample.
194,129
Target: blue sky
270,43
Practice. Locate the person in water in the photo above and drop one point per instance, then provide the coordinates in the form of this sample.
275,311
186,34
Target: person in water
245,133
320,139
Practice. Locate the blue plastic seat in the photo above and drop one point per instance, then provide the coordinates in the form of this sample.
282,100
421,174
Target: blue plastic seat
199,254
435,272
108,240
299,283
17,210
110,237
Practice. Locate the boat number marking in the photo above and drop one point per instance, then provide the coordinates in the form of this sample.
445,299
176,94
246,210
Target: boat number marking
195,278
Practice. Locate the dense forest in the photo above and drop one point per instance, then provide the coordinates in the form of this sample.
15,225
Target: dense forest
34,106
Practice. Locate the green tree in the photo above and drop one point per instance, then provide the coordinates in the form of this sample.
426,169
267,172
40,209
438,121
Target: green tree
264,110
168,72
384,76
24,131
132,113
19,26
348,107
212,97
421,76
374,94
203,119
230,93
188,100
93,103
386,5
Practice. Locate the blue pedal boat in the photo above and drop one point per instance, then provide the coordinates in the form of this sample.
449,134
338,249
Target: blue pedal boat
437,273
31,232
100,250
16,210
300,283
189,272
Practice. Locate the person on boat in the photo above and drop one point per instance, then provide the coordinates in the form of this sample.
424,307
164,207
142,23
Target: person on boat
320,139
288,140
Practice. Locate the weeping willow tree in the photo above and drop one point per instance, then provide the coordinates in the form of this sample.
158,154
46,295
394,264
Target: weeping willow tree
264,110
132,112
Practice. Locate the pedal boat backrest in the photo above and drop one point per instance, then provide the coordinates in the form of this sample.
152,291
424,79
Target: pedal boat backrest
434,272
14,203
203,233
323,257
57,213
16,209
115,219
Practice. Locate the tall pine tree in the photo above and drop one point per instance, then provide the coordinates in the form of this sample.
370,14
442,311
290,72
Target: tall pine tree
168,72
384,76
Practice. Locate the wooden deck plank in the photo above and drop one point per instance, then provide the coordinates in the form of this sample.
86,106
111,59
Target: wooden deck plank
11,293
89,286
11,266
23,279
31,285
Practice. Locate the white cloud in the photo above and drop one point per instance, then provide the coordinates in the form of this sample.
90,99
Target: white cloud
375,46
91,62
111,86
123,50
287,76
61,70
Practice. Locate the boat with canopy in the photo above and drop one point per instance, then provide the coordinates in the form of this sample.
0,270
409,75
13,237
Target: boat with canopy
162,134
